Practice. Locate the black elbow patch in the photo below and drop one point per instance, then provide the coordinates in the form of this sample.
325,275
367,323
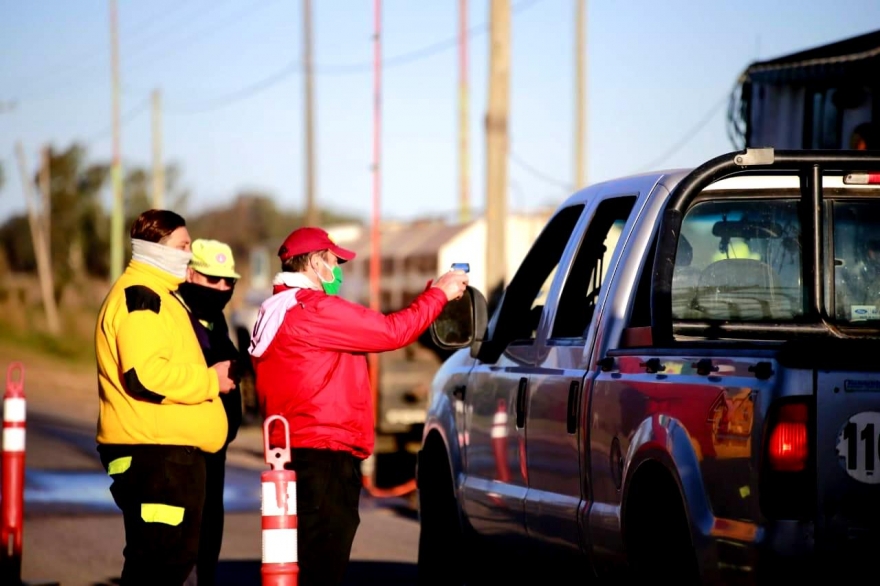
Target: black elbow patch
139,298
137,389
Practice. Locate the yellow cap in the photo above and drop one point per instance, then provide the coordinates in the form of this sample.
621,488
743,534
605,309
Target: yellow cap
736,249
213,258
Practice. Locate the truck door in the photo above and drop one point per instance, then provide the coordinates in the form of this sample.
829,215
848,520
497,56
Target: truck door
496,395
561,384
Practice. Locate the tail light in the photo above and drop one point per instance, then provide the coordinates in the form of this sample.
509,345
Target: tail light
788,479
788,448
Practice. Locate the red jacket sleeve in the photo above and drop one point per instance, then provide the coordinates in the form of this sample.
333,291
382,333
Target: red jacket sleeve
340,325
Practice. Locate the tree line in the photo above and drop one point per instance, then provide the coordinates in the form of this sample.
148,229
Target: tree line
79,233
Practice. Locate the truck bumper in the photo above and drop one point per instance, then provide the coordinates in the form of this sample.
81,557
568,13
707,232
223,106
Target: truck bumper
786,551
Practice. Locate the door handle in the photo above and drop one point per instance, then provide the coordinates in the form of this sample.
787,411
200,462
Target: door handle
458,392
521,402
573,406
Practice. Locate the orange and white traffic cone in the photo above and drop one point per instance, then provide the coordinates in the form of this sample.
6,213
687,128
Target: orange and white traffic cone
12,517
499,442
280,558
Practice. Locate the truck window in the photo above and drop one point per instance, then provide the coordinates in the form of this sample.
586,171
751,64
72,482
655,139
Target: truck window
584,281
739,260
856,254
523,301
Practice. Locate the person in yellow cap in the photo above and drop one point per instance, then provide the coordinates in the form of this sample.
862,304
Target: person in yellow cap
210,282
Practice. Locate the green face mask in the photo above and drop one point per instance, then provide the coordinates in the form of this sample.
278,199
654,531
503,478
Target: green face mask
332,287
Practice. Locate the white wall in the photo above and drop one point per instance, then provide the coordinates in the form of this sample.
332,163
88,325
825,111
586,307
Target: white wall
344,234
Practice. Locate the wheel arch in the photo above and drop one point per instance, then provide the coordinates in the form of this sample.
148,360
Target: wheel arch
662,451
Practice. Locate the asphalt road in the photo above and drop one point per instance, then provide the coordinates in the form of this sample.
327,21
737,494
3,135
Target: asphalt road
73,534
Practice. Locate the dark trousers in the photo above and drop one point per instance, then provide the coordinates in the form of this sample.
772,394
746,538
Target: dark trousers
212,519
161,492
328,489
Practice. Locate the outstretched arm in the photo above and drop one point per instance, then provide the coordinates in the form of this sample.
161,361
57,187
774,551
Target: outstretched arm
349,327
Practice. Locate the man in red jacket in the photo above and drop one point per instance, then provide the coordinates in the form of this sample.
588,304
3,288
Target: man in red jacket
309,351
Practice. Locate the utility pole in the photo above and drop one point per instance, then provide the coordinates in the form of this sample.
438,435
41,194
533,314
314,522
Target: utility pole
118,213
158,165
311,209
377,184
369,466
464,156
46,192
580,172
497,144
39,241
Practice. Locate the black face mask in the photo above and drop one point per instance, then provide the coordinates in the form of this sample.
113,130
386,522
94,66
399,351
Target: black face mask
204,302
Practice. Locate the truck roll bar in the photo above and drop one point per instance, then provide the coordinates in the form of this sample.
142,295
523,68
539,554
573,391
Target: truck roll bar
810,166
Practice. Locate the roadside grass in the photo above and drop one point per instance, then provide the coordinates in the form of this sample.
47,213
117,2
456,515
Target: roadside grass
23,329
24,326
74,349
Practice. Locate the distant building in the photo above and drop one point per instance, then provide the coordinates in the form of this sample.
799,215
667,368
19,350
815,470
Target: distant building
413,253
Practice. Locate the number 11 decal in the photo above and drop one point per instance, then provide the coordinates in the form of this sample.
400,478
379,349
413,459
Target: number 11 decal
858,445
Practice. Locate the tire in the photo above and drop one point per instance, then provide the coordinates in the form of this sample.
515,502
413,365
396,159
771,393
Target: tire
444,551
658,537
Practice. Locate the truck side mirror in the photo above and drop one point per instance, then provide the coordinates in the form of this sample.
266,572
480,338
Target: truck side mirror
462,322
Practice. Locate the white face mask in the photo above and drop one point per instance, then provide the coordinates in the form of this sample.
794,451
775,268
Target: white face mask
164,258
329,270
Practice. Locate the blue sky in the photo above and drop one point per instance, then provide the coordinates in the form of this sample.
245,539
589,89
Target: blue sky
656,71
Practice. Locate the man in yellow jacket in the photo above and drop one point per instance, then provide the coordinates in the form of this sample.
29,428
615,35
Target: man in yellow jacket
160,409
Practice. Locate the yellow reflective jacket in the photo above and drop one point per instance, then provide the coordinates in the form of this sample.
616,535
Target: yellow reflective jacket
154,384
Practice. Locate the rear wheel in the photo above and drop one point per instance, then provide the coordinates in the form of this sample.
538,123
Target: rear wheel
657,533
443,541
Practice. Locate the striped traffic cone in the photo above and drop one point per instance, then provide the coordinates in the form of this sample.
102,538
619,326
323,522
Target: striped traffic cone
499,442
280,560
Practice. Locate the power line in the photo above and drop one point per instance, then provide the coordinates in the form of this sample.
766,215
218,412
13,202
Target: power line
157,16
160,40
85,60
418,54
539,174
242,93
295,66
235,18
125,119
687,136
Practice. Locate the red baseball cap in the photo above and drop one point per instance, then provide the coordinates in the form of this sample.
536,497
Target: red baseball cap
309,239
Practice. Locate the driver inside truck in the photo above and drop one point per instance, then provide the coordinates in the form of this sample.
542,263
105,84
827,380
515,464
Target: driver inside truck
735,248
863,283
